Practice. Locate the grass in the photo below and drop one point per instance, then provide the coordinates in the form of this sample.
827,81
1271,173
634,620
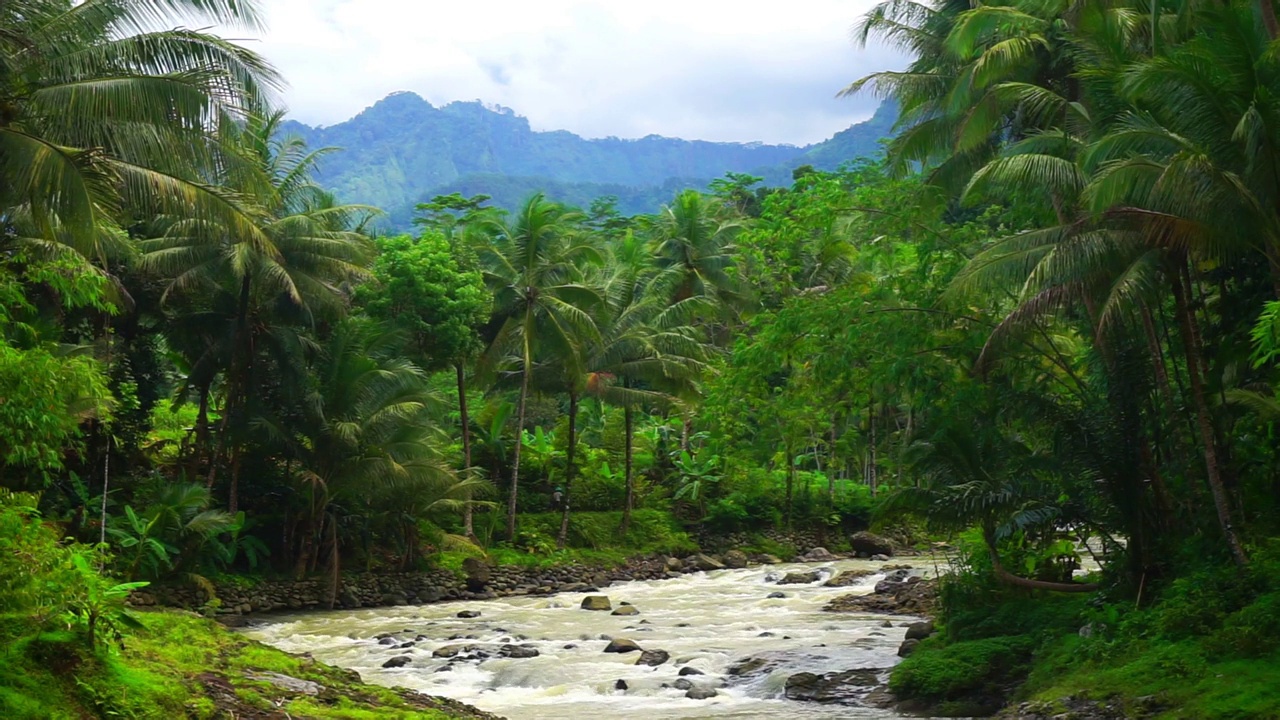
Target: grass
1207,648
166,669
593,540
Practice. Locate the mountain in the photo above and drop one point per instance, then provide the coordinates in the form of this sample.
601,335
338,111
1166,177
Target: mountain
402,151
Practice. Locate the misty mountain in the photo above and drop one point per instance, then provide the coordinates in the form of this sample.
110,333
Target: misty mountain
403,150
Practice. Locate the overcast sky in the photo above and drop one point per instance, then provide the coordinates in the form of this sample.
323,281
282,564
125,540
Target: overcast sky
739,70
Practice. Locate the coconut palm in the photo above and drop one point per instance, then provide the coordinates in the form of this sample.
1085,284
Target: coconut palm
694,239
534,263
105,112
367,442
303,251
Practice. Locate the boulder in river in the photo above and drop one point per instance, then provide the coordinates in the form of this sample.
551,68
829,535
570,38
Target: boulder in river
800,578
397,661
735,559
449,651
818,554
477,572
775,595
919,630
518,651
653,658
907,647
866,544
626,610
847,577
682,684
835,687
622,645
701,693
469,614
705,562
686,670
673,564
596,602
620,685
767,559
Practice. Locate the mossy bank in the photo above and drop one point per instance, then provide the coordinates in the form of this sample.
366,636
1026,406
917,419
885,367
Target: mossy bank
179,665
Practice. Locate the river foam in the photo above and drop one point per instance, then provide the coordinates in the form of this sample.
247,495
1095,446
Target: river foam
707,621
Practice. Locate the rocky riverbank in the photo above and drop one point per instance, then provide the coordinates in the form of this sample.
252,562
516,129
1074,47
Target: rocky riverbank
478,581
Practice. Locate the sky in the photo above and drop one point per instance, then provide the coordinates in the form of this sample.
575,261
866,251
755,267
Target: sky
743,70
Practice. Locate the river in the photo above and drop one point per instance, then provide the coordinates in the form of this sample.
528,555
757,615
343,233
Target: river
707,621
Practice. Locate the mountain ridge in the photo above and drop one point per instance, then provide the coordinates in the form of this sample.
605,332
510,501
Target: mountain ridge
403,150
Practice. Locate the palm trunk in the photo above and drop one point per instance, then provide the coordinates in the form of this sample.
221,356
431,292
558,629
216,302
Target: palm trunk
515,460
628,433
569,469
1204,421
872,475
468,526
1268,12
989,537
237,380
791,479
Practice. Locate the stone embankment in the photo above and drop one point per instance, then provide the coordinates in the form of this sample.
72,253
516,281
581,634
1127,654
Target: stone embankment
479,581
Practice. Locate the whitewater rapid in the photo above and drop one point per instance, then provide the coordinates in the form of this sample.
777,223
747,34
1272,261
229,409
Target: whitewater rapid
707,621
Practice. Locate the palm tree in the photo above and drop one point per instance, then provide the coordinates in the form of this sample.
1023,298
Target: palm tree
695,240
302,252
103,114
534,265
367,441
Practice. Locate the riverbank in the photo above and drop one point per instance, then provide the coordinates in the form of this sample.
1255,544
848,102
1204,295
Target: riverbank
468,577
179,665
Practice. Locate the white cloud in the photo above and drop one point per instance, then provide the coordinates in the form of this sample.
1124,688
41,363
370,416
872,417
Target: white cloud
707,69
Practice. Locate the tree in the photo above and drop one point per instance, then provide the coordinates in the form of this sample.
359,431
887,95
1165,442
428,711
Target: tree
302,249
104,117
534,264
420,287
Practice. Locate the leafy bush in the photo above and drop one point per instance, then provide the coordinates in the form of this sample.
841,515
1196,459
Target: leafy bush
960,669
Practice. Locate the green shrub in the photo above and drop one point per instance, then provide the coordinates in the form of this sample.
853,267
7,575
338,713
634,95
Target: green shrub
959,670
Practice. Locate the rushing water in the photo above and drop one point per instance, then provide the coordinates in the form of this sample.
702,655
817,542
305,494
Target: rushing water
707,621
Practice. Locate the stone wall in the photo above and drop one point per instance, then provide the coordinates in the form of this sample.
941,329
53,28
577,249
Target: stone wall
416,588
802,540
367,590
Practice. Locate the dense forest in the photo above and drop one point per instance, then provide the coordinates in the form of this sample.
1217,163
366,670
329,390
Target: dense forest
402,151
1045,327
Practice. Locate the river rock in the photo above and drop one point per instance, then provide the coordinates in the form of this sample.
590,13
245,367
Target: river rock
775,595
701,693
394,598
866,544
767,559
653,658
449,651
920,630
469,614
620,685
879,558
686,670
705,562
478,573
518,651
673,564
748,666
836,687
387,640
622,645
800,578
397,661
292,684
818,554
596,602
735,559
907,647
626,610
847,577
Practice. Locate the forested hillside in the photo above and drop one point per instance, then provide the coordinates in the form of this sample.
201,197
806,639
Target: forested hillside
402,151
